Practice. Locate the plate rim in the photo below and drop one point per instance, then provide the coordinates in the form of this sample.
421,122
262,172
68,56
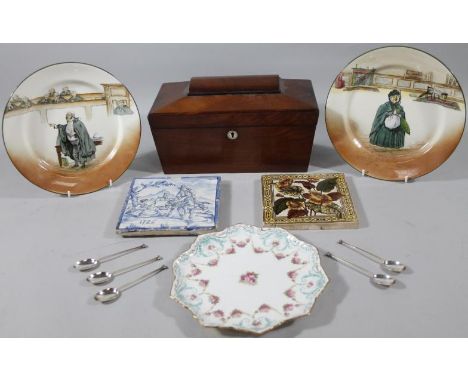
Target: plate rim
421,174
61,63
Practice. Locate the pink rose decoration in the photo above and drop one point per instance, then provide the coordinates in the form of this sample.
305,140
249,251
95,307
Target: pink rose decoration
249,278
241,244
214,299
292,275
236,313
203,283
280,256
211,247
218,313
310,284
290,293
258,250
275,243
195,271
193,297
213,263
296,260
288,307
230,251
264,308
256,323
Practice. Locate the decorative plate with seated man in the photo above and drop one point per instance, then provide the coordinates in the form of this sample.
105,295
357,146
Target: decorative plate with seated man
60,131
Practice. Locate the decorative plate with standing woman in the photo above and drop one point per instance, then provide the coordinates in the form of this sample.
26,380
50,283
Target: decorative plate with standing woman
377,97
390,127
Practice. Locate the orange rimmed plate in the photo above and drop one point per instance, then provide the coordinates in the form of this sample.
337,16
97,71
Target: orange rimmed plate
71,127
396,113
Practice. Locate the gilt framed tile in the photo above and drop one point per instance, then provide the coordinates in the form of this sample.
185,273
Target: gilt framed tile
307,201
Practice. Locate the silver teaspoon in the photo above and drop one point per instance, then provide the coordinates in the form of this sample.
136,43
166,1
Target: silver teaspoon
391,265
108,295
90,264
99,278
379,278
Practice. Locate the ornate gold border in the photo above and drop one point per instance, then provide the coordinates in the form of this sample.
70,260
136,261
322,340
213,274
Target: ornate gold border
269,219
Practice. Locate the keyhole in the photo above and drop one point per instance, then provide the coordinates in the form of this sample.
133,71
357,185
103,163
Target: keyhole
232,134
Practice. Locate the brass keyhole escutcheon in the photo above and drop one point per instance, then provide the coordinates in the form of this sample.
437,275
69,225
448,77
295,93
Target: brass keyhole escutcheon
232,134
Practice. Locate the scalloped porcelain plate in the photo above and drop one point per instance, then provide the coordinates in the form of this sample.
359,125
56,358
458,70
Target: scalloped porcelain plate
395,113
71,127
248,278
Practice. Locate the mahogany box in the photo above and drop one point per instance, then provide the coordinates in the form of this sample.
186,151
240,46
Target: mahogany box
234,124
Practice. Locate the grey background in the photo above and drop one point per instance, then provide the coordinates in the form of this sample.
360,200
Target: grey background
422,223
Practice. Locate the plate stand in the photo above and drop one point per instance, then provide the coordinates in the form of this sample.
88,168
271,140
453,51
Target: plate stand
110,185
407,178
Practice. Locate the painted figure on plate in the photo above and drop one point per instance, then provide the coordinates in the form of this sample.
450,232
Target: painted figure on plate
390,127
74,140
122,108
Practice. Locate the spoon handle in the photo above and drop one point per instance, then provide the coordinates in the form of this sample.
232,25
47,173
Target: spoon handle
369,255
136,266
349,264
116,255
142,278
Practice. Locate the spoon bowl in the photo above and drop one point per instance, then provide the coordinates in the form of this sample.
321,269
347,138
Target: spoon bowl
90,263
107,295
99,278
87,264
394,266
383,280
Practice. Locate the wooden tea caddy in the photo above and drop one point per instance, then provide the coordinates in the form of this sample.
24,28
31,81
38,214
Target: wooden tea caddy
234,124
